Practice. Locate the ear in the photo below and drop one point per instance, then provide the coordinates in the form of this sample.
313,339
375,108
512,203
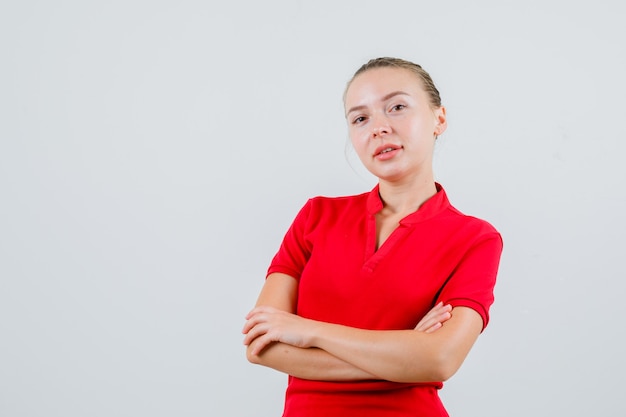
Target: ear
441,122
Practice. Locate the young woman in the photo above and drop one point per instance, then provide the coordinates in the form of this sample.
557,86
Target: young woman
373,300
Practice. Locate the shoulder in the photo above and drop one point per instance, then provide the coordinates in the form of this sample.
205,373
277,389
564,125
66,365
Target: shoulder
324,209
338,203
472,221
472,227
477,232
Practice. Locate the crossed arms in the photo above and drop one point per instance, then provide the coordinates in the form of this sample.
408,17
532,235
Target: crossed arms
277,338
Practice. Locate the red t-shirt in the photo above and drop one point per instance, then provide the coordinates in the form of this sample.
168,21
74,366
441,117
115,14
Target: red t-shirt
435,254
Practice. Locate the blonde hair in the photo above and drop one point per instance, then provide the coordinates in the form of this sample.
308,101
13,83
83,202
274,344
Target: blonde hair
388,62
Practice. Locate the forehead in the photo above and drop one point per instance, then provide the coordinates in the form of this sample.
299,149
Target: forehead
381,81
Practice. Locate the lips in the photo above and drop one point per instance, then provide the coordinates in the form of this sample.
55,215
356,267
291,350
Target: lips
384,149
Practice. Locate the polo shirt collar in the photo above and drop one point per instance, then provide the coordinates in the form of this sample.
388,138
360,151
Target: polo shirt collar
433,206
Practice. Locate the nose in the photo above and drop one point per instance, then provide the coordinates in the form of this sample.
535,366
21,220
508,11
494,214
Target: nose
380,126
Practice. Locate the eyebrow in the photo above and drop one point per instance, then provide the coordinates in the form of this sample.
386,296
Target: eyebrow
385,98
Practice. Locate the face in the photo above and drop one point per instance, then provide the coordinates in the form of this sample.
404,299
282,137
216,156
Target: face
392,124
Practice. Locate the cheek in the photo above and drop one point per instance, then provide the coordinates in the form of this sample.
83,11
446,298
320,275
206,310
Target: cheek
355,140
359,145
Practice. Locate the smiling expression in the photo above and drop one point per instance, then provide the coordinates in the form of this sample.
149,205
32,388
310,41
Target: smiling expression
392,124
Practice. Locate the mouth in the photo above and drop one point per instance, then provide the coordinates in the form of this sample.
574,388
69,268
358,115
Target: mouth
385,149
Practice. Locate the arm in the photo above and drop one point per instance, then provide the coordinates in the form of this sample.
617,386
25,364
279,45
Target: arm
404,356
394,355
280,292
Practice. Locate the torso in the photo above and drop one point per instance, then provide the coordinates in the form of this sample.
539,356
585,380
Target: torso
360,265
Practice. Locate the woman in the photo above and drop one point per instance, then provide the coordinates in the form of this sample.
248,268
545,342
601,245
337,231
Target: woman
373,300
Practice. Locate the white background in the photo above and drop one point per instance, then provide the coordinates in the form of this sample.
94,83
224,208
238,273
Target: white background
153,153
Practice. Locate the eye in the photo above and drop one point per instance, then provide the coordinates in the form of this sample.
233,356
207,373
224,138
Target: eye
398,107
358,120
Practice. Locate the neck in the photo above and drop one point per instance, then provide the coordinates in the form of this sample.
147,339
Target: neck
406,197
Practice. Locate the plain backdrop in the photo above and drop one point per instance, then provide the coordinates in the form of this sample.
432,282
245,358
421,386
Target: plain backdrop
153,154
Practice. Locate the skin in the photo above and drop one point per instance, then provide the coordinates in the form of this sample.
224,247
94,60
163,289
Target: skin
389,107
386,108
279,293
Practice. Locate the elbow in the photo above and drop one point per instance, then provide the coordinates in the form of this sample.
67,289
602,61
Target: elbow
252,358
437,367
260,358
443,372
444,366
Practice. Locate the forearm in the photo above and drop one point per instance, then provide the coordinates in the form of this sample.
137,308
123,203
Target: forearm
402,355
279,339
307,363
280,291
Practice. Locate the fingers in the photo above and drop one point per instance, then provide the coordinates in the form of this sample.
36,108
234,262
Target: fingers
433,328
254,332
255,349
265,325
256,323
257,331
256,316
259,343
435,318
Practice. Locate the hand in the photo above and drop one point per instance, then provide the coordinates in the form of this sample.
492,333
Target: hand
266,324
435,318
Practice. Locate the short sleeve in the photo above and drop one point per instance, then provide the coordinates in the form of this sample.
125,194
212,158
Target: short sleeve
295,249
473,280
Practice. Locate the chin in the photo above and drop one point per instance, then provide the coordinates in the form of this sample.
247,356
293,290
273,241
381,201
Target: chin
390,176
